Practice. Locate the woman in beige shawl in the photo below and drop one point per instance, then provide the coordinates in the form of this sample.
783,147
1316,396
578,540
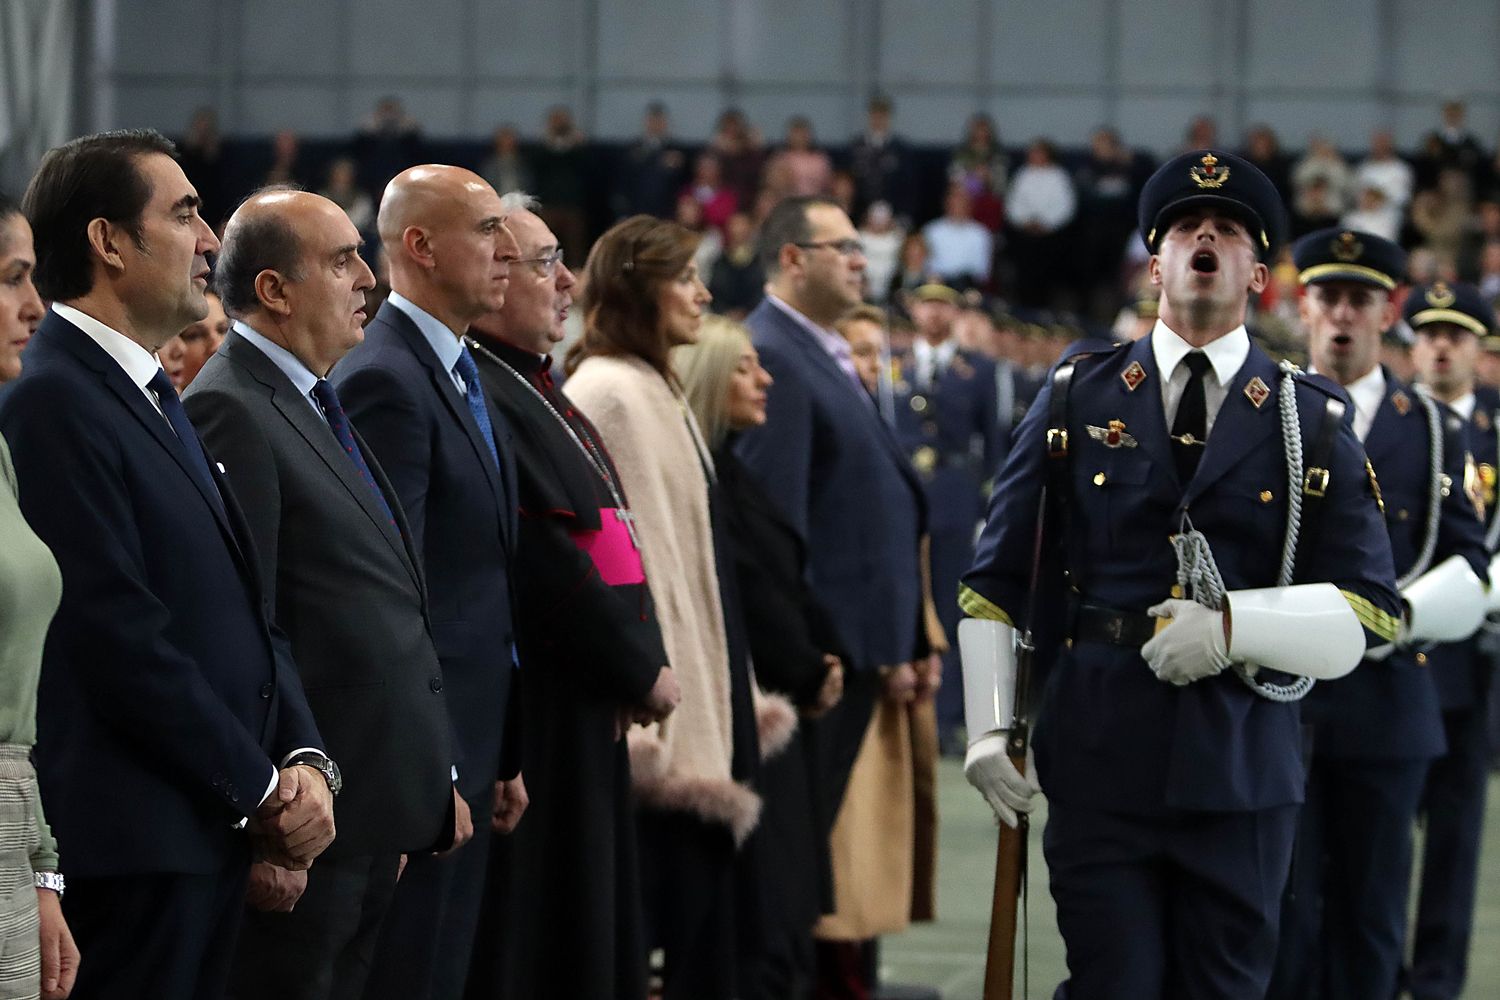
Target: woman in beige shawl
643,295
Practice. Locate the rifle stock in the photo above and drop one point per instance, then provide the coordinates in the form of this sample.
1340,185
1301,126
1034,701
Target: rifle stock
1000,963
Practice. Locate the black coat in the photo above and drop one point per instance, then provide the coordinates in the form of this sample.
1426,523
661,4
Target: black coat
563,908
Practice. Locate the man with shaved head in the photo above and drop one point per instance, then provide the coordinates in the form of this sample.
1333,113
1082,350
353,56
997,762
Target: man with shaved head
343,582
413,391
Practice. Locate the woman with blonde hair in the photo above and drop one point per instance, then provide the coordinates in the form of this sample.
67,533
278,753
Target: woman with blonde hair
693,773
791,642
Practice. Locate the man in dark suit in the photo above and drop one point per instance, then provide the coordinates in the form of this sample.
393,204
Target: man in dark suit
833,467
170,716
342,579
413,391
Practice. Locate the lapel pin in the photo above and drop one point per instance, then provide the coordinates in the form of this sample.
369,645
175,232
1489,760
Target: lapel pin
1257,391
221,468
1133,376
1401,402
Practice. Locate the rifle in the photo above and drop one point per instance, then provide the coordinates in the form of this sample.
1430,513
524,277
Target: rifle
1010,855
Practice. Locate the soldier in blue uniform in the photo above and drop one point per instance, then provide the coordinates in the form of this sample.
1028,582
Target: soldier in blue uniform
945,410
1375,732
1449,322
1186,464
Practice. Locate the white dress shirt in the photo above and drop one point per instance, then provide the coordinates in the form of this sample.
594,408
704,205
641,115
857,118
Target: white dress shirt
139,364
291,366
447,344
932,361
1226,355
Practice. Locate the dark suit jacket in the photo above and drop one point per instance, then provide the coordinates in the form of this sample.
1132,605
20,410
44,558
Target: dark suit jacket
835,472
347,591
165,697
461,511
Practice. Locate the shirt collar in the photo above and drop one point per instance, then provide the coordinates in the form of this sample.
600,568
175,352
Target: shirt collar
1367,391
1227,353
140,365
941,354
831,342
446,343
1464,405
291,366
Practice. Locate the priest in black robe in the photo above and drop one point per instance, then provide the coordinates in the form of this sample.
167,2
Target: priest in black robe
563,907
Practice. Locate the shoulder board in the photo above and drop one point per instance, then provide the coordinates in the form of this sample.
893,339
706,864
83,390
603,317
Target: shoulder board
1089,346
1323,384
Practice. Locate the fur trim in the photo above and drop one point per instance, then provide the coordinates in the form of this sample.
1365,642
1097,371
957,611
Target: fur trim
775,722
656,783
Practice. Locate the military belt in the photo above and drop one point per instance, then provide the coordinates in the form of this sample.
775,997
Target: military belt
1109,626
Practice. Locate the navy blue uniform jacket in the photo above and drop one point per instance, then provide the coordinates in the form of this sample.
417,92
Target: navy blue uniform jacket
165,696
461,511
1388,709
1109,734
835,472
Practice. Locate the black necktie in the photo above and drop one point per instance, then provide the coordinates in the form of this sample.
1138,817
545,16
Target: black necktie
338,422
172,409
1190,428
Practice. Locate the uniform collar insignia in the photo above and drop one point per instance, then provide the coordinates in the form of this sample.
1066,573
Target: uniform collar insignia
1257,391
1133,376
1113,436
1401,401
1482,420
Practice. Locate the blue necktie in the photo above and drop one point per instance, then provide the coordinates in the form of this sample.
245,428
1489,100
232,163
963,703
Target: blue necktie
171,408
338,422
466,369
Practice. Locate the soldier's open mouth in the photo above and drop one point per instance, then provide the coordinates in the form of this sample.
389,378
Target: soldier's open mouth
1205,262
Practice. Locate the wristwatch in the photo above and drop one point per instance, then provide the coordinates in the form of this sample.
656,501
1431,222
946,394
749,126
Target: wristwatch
50,880
323,765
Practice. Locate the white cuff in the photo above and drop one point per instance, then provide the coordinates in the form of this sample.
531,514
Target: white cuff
987,652
1445,604
1308,630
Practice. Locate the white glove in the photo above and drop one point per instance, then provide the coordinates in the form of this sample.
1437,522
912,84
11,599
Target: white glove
1191,647
990,770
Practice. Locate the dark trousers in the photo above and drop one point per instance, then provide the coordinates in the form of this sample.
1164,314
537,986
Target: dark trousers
428,937
1344,919
1165,907
156,937
328,938
952,554
1453,806
687,883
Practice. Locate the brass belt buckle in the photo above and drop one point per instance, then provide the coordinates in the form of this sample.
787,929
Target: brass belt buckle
1057,442
1315,483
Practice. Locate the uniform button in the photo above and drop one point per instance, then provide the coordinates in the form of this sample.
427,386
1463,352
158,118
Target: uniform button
1099,478
233,793
266,689
1266,496
1421,659
436,684
217,781
1401,515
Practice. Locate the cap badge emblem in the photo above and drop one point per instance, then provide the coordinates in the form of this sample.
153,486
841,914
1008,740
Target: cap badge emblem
1440,296
1209,175
1347,248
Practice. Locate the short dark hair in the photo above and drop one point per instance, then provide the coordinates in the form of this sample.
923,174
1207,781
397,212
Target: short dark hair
264,241
787,223
93,177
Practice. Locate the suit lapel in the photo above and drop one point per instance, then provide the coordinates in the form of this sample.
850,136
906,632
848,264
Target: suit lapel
458,407
82,347
1145,417
1240,425
298,412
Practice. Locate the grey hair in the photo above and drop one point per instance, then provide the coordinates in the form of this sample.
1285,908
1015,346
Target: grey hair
519,201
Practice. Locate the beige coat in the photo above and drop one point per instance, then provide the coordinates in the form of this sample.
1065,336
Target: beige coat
682,763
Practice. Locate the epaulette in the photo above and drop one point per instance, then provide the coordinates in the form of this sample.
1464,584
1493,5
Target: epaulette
1089,346
1322,383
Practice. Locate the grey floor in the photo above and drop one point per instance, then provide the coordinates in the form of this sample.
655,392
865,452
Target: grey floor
949,953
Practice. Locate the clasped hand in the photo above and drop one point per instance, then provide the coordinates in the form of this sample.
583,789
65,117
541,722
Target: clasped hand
1193,646
295,823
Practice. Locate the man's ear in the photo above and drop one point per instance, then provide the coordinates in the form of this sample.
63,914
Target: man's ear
104,240
271,290
1153,270
1260,277
416,245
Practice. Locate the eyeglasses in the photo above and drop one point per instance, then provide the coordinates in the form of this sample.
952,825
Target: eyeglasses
846,248
546,266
